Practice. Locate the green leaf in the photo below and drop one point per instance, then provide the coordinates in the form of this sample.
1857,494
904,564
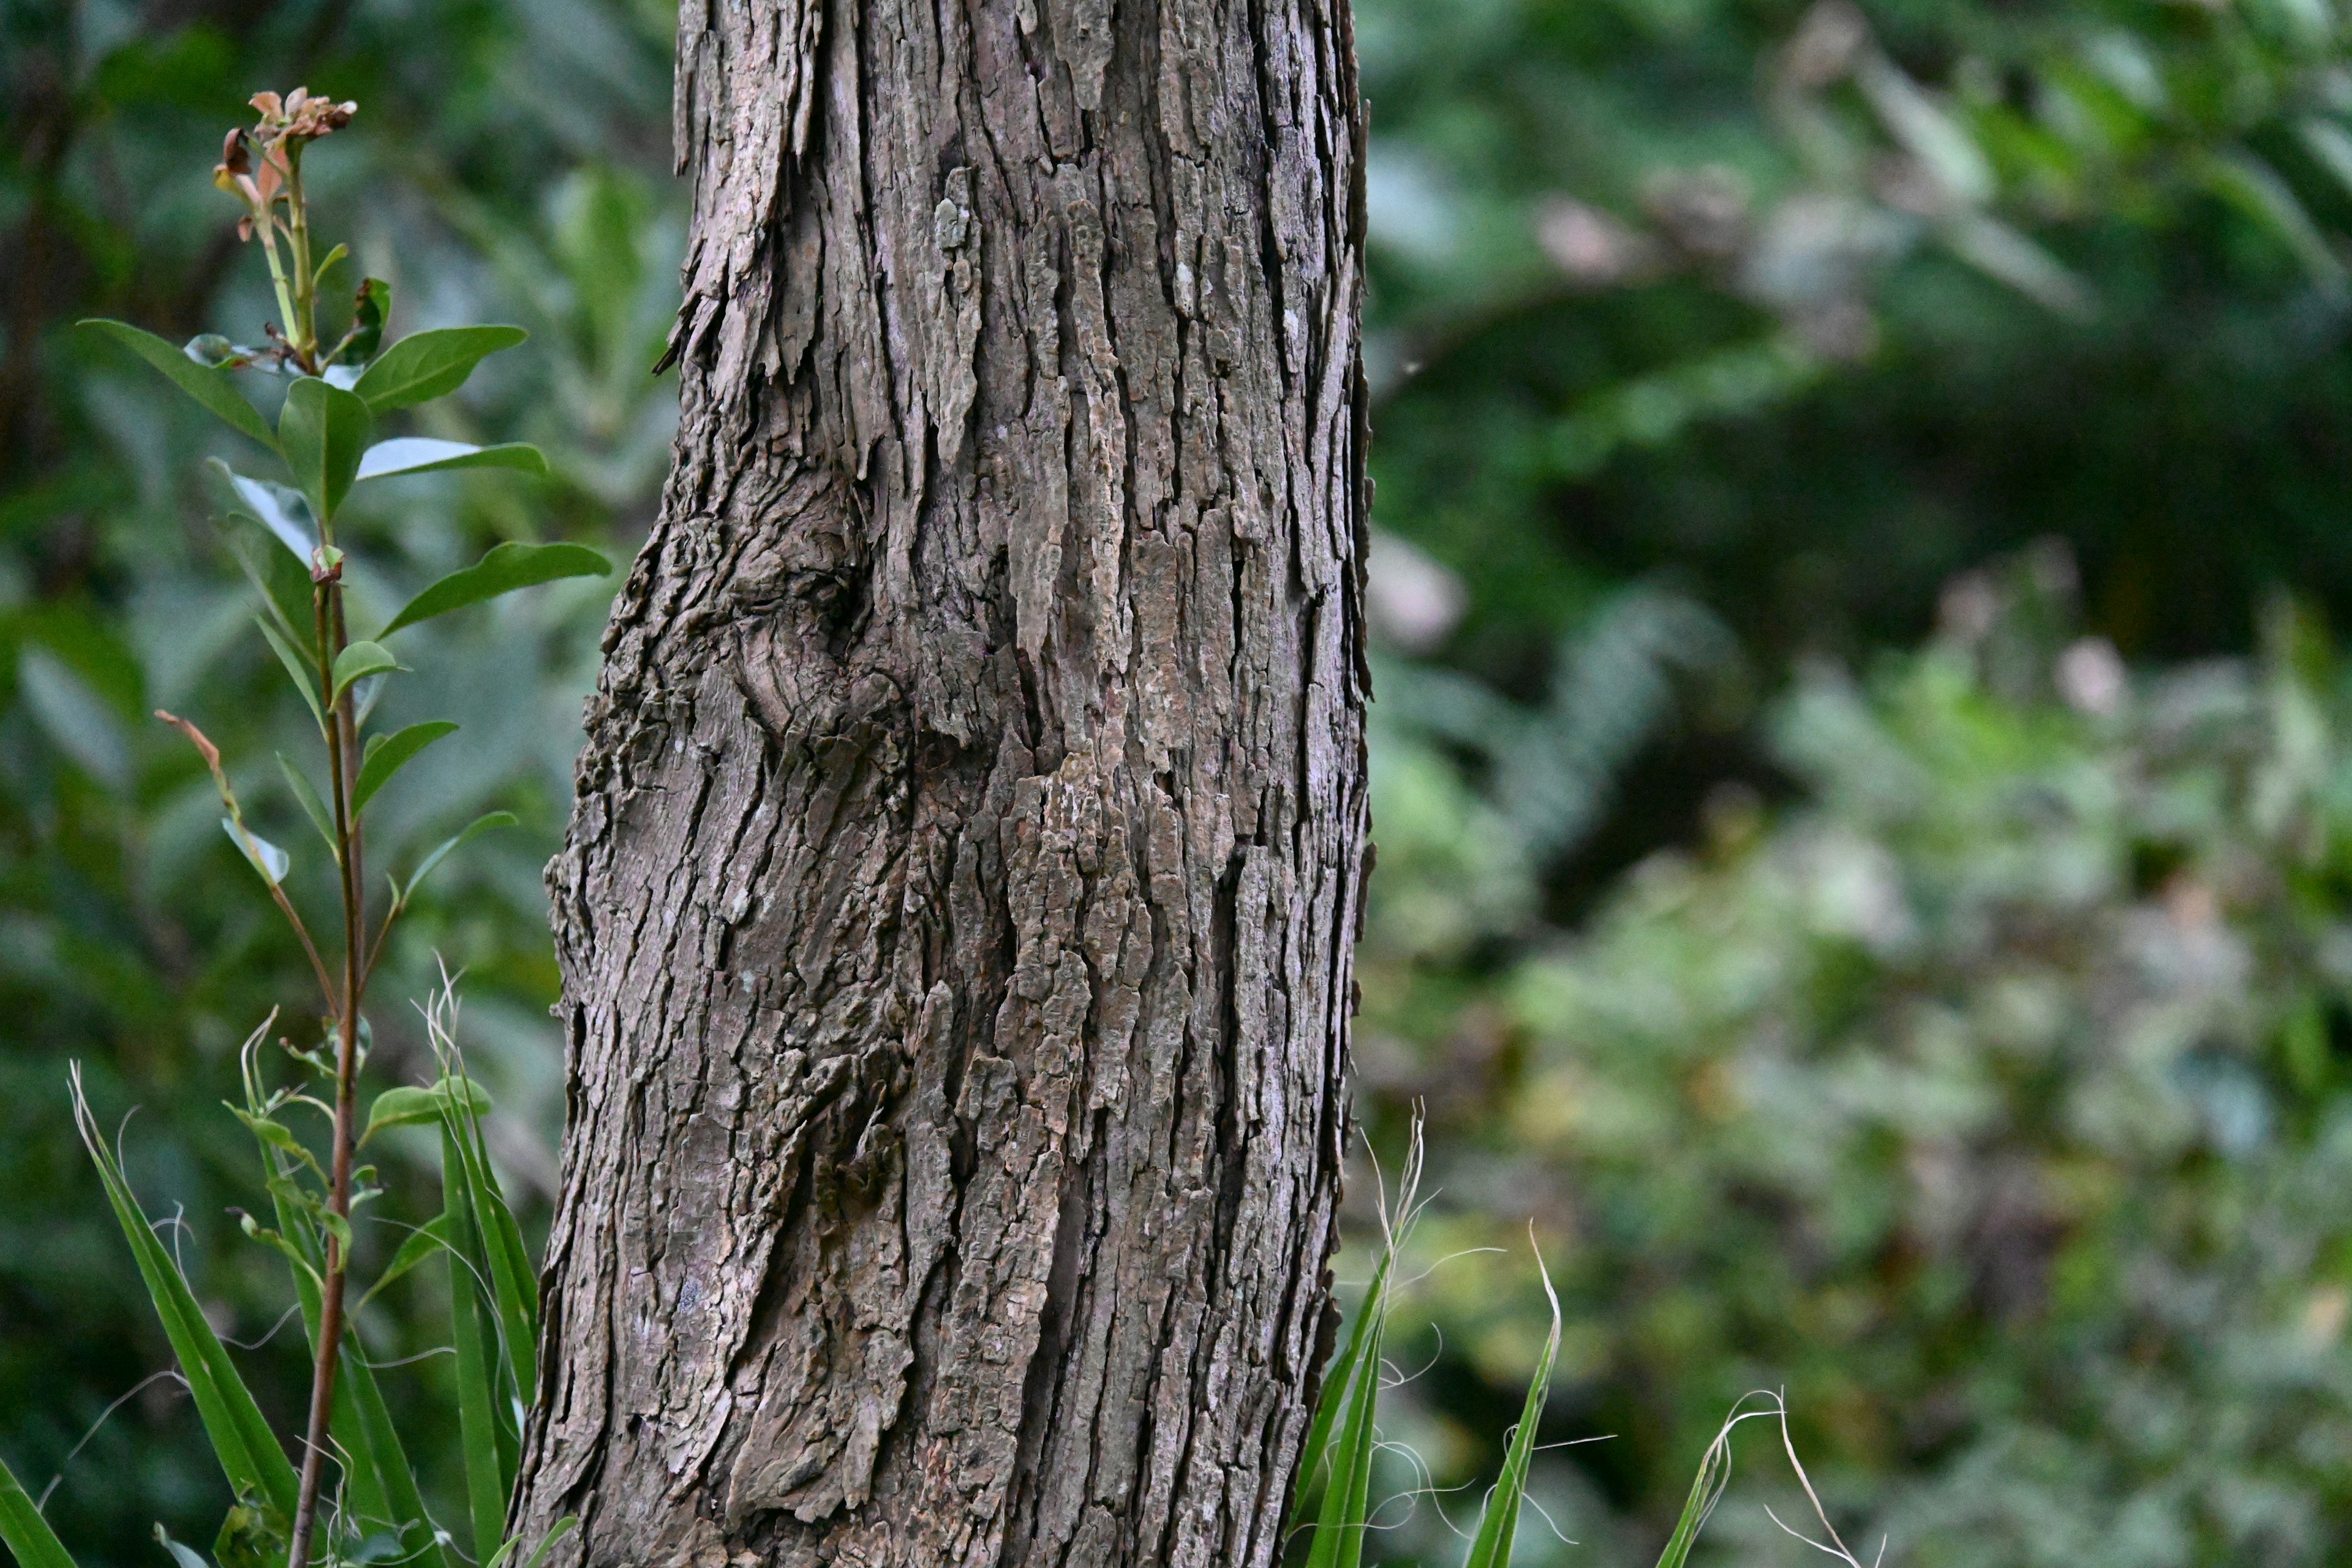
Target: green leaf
387,754
555,1532
312,806
1346,1514
507,567
319,273
425,366
323,429
264,857
358,662
1491,1548
382,1485
1337,1375
2255,188
276,509
481,824
211,387
380,1446
248,1454
296,668
370,306
276,1242
425,454
275,1135
24,1532
253,1535
514,1286
406,1104
285,588
488,1479
426,1241
1706,1489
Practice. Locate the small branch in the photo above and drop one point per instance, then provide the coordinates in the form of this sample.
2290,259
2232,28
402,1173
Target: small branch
210,753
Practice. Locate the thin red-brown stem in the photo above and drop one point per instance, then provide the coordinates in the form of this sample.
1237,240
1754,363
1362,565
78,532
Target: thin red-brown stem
317,964
342,761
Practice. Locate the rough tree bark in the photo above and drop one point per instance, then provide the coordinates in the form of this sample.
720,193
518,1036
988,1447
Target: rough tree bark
956,917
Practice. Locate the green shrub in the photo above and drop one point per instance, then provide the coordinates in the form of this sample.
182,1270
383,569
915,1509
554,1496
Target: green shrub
1989,1098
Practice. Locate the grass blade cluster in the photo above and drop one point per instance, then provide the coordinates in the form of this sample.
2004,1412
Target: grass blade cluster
23,1530
1498,1525
250,1455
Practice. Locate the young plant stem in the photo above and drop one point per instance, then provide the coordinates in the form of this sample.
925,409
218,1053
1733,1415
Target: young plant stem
266,226
303,326
343,767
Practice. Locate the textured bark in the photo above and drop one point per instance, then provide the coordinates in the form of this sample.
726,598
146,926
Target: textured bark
970,836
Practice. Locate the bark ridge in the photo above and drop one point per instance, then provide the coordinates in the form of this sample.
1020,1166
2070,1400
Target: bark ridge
971,837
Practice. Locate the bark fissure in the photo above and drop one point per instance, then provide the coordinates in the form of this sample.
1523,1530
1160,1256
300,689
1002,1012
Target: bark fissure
955,921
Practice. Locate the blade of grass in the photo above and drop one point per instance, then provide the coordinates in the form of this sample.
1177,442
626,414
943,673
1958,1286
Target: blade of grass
382,1487
487,1481
1707,1486
513,1286
514,1283
425,1242
1340,1524
405,1504
1491,1548
241,1439
1336,1380
25,1531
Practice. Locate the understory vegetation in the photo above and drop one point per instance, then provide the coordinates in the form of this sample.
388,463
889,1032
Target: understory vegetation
1861,767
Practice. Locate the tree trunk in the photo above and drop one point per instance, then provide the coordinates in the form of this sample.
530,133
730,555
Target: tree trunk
956,917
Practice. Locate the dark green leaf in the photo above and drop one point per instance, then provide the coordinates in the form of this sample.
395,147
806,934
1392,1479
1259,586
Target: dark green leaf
406,1105
514,1287
296,669
387,754
379,1446
424,1242
312,806
276,1134
323,429
211,387
486,1480
425,454
25,1531
2243,180
506,568
358,662
369,306
425,366
253,1535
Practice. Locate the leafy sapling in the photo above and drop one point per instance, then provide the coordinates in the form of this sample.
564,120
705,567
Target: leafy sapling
324,438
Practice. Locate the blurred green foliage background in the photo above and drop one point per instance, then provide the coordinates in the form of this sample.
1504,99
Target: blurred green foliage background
1863,781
